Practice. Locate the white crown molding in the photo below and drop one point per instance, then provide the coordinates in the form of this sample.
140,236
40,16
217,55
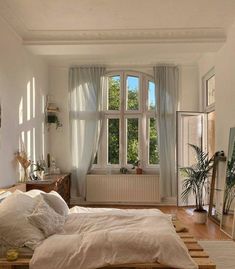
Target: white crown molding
109,36
124,36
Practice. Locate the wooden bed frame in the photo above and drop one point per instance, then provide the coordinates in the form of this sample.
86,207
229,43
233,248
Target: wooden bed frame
195,250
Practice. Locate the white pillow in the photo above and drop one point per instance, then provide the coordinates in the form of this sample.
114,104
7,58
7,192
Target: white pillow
46,219
55,201
33,193
15,228
4,195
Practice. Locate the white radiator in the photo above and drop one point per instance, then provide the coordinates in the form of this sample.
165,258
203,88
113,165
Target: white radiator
123,188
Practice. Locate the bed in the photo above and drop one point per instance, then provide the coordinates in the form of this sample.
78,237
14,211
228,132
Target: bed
88,238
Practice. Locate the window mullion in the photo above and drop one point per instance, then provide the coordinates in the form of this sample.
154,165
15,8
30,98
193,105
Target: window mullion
122,121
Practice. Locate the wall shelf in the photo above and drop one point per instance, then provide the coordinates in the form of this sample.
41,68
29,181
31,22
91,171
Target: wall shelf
51,114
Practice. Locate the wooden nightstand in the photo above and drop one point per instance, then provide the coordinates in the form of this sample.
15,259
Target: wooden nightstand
21,263
60,183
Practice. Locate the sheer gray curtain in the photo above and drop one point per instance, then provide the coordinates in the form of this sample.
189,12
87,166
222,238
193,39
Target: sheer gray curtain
166,81
86,86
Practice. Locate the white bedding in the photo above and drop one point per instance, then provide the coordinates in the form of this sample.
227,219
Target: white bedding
94,238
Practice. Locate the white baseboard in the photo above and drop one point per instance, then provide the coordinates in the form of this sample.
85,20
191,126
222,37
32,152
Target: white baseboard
171,201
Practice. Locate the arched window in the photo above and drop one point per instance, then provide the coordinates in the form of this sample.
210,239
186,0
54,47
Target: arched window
129,130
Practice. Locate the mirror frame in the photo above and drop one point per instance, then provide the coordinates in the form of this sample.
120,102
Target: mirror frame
217,159
231,143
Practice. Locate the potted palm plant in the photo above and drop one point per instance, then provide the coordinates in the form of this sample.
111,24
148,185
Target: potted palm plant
196,182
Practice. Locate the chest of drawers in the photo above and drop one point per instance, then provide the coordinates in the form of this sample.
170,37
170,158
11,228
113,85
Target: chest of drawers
59,183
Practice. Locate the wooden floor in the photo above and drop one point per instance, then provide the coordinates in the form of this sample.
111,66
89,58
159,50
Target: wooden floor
208,231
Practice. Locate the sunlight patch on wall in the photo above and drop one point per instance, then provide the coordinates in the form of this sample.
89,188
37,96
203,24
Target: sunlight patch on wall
34,146
21,148
21,111
29,144
22,140
43,140
43,104
31,123
33,93
28,101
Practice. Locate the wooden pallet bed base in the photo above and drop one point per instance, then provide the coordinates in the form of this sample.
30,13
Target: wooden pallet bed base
195,250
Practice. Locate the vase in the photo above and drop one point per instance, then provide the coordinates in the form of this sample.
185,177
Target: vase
139,171
25,175
200,217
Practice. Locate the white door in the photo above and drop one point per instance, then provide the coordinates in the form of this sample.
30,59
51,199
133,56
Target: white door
191,129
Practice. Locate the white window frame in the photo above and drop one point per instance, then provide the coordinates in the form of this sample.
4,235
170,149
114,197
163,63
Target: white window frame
143,114
206,77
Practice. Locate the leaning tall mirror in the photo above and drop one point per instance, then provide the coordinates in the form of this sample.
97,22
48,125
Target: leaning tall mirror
227,223
216,188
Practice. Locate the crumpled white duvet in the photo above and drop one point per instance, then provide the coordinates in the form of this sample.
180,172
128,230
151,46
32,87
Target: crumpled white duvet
98,238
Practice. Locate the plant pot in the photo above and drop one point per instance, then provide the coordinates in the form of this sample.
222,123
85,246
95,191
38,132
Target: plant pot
200,217
139,171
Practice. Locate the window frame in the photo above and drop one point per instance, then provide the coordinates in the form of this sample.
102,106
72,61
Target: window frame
208,108
143,114
206,77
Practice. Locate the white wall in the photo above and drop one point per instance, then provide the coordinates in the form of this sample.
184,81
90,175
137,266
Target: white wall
188,90
224,63
19,70
225,91
59,146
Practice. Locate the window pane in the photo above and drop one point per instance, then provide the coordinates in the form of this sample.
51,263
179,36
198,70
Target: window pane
153,142
132,93
114,93
113,141
151,96
132,140
211,90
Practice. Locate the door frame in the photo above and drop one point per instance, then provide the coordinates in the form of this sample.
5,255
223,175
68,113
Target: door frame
204,140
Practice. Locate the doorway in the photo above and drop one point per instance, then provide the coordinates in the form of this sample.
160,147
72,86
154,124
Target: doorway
191,129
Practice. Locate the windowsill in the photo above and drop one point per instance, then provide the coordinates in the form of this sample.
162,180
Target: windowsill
116,171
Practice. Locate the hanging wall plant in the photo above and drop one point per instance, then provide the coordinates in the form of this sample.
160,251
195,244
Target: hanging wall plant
52,118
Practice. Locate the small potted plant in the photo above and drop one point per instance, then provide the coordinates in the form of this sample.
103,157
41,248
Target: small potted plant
137,166
123,170
39,169
196,182
52,118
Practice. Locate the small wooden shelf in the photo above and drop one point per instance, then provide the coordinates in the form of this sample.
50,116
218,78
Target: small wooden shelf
55,110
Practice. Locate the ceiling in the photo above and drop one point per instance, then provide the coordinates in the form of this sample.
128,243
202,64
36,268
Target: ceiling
121,31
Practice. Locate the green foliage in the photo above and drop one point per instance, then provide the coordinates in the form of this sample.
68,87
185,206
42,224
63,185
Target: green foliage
132,138
132,127
113,143
196,177
153,141
229,192
114,93
133,103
